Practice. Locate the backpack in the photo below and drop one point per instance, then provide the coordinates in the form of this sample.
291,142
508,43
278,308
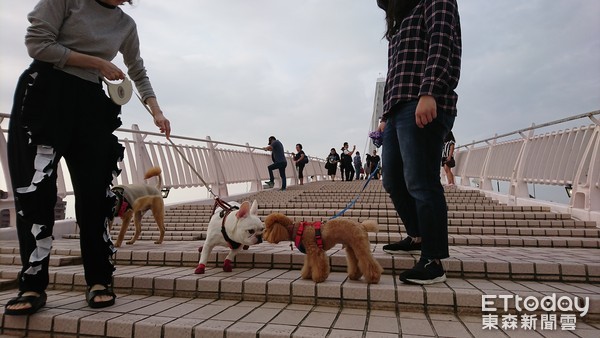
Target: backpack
304,160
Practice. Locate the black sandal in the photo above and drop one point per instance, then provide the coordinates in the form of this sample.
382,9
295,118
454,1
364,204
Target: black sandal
36,302
90,295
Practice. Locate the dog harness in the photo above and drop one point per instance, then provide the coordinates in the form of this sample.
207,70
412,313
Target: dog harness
227,209
300,231
122,204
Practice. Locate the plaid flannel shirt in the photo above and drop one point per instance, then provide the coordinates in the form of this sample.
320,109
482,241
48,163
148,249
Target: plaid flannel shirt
424,57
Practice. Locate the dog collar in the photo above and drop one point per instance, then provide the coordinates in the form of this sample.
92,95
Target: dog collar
300,231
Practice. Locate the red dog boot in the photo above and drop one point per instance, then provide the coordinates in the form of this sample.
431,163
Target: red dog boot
227,267
200,269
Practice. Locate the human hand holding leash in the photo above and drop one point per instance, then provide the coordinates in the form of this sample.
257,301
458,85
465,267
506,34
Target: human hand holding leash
159,119
110,71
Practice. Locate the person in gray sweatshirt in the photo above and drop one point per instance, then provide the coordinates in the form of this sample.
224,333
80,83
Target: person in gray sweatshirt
59,111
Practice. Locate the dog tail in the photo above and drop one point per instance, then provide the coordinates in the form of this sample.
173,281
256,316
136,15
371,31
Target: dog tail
154,171
370,226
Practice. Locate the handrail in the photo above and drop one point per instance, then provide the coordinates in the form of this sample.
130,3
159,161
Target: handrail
220,164
543,125
568,158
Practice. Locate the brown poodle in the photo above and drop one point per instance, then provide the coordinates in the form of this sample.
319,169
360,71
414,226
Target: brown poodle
351,234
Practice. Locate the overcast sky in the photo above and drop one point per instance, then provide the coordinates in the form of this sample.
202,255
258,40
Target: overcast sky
305,71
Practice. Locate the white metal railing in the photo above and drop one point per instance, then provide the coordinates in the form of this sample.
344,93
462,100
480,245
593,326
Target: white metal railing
568,158
219,163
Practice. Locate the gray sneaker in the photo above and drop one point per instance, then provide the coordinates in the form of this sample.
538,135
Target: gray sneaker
405,246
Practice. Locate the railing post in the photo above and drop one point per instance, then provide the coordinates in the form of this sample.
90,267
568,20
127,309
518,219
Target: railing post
214,158
465,180
485,181
518,187
586,192
142,158
255,184
9,201
294,179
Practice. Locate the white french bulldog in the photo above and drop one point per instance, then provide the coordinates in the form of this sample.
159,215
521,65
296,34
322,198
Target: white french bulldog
234,229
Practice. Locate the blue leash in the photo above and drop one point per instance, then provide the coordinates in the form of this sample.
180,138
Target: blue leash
351,204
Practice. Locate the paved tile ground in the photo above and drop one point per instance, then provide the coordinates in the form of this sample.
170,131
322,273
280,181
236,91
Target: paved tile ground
154,316
495,250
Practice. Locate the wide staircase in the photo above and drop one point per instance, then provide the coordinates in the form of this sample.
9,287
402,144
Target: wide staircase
496,250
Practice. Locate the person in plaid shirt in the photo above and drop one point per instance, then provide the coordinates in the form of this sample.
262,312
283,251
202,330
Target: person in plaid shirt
419,109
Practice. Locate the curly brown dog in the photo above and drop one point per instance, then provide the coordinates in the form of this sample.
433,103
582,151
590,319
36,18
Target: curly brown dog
351,234
133,200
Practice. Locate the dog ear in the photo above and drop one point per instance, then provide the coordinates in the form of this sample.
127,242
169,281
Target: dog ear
244,210
254,209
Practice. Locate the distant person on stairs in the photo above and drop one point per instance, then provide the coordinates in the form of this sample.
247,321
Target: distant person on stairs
279,162
357,165
448,161
374,160
419,108
331,165
300,159
347,161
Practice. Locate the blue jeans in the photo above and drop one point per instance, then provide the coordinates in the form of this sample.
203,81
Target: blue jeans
411,161
281,166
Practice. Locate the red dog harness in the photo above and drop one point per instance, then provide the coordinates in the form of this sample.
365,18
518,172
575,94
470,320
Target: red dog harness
124,207
300,231
123,204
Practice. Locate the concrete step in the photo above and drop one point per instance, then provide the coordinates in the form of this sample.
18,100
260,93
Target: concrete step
496,250
191,209
15,259
67,315
517,263
496,215
456,295
531,241
499,239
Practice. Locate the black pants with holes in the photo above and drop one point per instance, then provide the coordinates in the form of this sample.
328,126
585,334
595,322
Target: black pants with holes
56,115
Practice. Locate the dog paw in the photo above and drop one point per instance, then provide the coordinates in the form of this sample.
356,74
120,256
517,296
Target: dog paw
158,242
227,267
129,242
200,269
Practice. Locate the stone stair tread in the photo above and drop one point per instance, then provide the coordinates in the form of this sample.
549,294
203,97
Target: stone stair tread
154,316
285,286
495,249
536,263
55,260
8,283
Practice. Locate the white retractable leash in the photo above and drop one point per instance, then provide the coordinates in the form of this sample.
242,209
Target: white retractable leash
182,155
119,93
